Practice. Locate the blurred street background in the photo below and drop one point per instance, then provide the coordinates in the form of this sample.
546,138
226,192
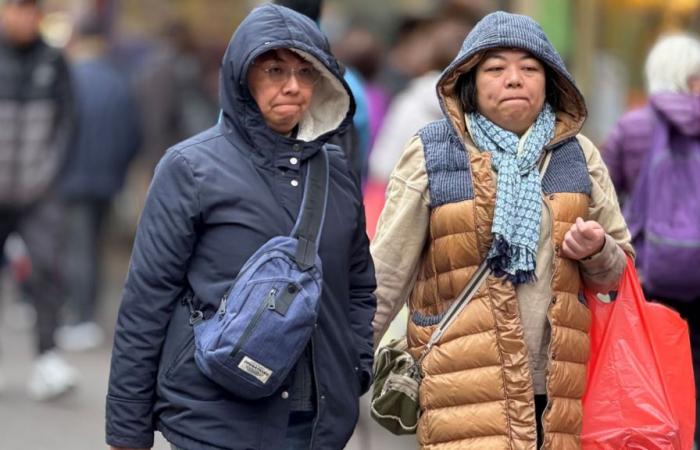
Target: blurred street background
168,52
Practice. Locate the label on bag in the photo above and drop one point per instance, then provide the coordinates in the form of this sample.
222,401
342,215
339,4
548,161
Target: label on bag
255,369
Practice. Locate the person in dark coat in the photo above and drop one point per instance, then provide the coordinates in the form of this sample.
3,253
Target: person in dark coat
37,125
214,200
108,137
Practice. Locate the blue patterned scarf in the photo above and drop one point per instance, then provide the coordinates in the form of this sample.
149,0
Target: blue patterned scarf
516,221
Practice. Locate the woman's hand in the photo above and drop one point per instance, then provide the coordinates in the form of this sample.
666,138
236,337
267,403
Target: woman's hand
584,239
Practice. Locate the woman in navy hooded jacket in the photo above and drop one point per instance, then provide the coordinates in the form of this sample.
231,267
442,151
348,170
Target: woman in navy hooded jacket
214,200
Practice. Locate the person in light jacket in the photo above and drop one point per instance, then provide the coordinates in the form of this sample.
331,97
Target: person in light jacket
510,372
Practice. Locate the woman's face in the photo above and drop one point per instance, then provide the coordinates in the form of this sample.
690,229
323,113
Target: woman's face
510,89
282,84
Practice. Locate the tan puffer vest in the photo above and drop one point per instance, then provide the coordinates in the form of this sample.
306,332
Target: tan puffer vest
477,392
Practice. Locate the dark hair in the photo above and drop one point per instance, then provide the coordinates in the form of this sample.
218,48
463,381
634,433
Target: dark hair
309,8
466,89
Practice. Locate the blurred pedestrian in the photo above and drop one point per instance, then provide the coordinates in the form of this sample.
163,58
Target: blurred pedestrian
408,56
37,123
510,371
653,154
361,49
107,139
416,105
214,200
171,92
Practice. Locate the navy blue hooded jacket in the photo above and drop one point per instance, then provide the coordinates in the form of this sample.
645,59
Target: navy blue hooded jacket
214,200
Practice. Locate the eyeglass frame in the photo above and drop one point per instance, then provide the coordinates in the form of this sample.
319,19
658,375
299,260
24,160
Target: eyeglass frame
287,73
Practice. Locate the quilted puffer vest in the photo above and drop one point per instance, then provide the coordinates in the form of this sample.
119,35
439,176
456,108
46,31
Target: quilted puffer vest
477,392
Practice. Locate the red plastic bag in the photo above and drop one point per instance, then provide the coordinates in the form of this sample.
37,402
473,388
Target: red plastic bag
640,392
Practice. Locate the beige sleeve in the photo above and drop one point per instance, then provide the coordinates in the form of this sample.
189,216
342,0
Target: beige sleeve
401,234
602,271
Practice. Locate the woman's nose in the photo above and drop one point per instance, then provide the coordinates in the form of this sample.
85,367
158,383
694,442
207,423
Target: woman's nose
513,77
292,84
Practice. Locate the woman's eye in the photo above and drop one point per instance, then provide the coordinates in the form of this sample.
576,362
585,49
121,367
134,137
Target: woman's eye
305,71
530,69
493,69
274,70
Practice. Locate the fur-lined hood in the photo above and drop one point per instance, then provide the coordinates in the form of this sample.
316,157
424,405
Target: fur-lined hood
271,27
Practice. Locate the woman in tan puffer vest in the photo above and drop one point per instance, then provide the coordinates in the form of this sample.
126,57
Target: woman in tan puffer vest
510,372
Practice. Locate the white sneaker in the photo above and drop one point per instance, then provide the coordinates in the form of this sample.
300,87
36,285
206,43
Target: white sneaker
79,338
51,377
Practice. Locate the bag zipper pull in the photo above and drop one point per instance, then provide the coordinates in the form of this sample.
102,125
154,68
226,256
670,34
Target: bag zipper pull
222,307
271,299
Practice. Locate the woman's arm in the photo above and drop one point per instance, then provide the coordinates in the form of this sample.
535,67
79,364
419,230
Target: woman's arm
401,234
164,242
602,269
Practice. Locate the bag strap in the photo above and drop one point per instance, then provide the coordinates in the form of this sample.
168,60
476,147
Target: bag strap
481,274
307,229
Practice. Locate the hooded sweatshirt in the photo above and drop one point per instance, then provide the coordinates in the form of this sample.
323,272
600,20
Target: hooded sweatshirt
214,200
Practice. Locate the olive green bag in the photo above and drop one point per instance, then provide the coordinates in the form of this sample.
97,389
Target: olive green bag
395,402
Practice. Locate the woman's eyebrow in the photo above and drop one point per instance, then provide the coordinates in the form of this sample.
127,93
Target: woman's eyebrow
501,57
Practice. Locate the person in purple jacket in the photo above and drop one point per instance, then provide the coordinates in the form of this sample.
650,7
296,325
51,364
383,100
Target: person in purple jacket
673,83
673,79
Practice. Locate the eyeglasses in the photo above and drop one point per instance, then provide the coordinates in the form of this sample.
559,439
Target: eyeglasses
306,75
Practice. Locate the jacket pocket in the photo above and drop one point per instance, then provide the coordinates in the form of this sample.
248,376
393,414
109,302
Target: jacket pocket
185,349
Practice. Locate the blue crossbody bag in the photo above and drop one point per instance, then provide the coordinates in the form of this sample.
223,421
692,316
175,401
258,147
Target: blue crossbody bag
266,319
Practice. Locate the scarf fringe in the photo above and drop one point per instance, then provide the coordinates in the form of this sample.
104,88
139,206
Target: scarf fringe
517,214
502,254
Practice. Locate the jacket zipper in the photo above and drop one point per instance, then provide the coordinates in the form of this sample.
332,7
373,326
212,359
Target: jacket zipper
549,321
269,301
318,393
196,315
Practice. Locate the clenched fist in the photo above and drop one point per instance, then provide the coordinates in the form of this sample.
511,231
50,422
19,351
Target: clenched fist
584,238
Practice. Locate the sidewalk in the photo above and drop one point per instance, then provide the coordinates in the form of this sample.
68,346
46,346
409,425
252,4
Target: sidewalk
76,421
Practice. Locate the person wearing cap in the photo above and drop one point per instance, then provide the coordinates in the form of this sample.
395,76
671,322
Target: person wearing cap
37,122
214,200
504,177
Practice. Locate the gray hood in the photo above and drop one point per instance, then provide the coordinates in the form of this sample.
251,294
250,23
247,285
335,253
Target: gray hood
513,31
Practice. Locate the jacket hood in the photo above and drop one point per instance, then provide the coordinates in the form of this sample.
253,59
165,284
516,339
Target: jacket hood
681,110
513,31
270,27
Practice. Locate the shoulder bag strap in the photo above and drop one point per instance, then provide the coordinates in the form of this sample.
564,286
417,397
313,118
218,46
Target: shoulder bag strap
481,274
307,228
